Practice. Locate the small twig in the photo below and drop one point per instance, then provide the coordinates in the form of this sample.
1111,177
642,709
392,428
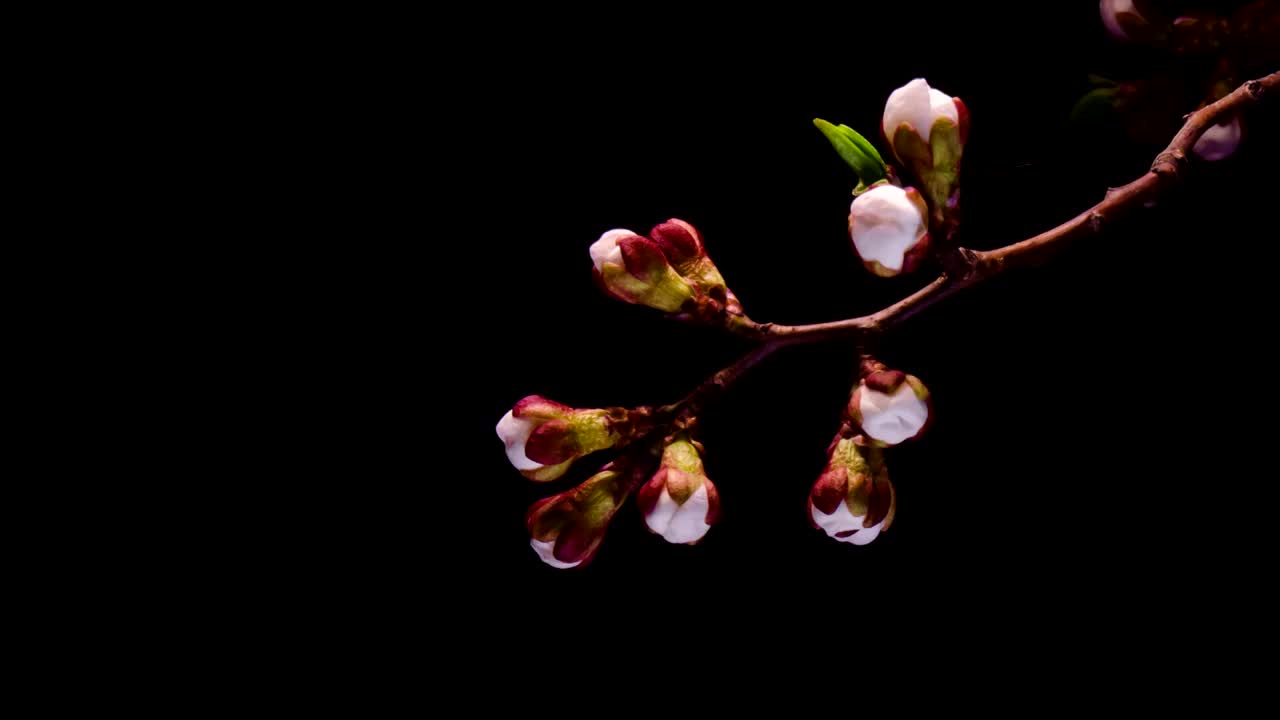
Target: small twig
692,403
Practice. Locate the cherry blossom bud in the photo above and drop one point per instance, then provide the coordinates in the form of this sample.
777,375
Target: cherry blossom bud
669,271
566,529
853,500
543,438
1122,19
927,129
679,502
919,107
1219,141
634,270
889,406
889,227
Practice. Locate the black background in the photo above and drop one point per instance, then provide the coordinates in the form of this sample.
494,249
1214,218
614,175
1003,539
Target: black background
1102,436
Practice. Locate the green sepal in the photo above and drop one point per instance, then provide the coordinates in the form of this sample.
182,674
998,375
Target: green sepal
911,149
682,455
863,187
593,431
664,290
547,473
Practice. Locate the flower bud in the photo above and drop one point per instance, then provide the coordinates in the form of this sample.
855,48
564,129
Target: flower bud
1219,141
889,406
889,227
926,129
680,276
566,529
919,107
679,502
634,270
1122,19
543,438
853,500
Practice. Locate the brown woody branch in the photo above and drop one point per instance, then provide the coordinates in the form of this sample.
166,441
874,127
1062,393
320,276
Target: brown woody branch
974,266
967,268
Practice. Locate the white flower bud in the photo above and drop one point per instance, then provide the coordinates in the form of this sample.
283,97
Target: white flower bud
1219,141
918,105
889,227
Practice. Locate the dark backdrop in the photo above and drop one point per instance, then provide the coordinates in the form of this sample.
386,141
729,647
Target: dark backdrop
1102,435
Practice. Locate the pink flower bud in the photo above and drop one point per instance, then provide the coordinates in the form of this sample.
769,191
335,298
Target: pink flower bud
679,502
634,270
679,241
889,227
1219,141
889,406
566,529
853,500
669,271
543,438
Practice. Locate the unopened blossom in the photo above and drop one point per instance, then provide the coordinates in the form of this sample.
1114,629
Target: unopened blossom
633,269
889,227
679,502
1121,18
566,529
927,130
543,437
669,270
889,406
853,500
919,107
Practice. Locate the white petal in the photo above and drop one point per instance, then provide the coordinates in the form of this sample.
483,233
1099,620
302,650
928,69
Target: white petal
862,537
515,433
942,105
689,523
886,224
545,551
892,418
606,250
909,104
837,522
1109,9
1219,141
659,518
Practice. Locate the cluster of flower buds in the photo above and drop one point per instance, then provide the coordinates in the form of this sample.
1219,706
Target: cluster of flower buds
888,406
853,500
566,529
679,502
543,438
926,130
669,270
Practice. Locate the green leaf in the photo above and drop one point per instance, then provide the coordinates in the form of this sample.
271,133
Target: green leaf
854,150
863,144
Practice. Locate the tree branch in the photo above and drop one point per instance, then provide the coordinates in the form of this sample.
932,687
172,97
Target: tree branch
967,268
972,267
692,403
